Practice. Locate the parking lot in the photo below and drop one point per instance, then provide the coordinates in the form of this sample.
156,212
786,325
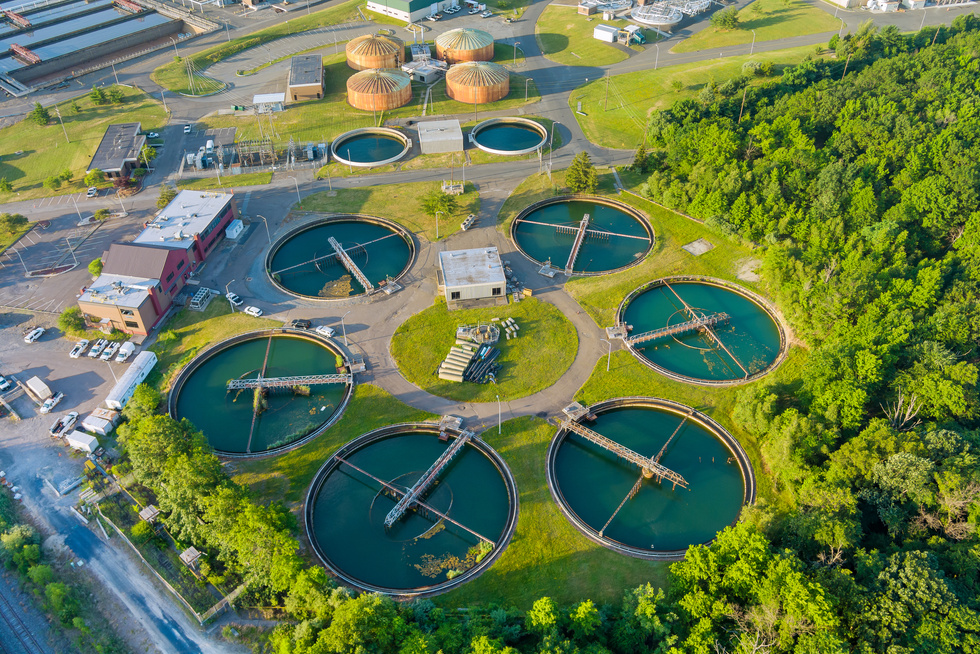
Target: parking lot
69,200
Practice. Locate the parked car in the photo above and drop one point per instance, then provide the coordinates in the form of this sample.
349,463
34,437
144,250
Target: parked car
33,335
452,10
474,10
187,129
253,311
432,17
64,424
51,402
125,351
301,323
487,14
234,299
152,135
110,352
79,348
97,348
92,192
323,330
4,383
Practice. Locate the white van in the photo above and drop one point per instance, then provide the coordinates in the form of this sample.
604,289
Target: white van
209,147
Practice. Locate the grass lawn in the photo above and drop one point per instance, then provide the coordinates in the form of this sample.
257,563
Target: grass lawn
547,556
45,153
539,187
287,477
189,332
771,20
227,181
173,75
398,202
323,120
532,362
632,96
7,239
504,54
566,37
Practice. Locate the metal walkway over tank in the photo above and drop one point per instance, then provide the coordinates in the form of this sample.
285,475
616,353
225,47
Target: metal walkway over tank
571,229
350,265
422,485
583,227
648,465
706,329
282,382
698,324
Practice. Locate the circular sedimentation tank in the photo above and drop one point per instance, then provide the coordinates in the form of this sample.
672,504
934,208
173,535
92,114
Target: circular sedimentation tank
237,423
509,136
617,236
375,51
464,44
636,511
378,90
744,339
303,262
429,549
367,147
477,82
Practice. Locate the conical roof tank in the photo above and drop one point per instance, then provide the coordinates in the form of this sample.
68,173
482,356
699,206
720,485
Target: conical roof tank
477,82
379,89
375,51
464,44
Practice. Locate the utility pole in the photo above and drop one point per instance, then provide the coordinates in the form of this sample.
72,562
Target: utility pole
744,91
845,66
164,102
114,73
58,111
605,102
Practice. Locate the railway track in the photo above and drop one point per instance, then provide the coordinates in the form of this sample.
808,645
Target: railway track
19,629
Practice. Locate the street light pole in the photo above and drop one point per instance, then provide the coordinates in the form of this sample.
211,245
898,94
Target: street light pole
165,108
526,82
228,298
299,200
60,120
114,73
267,233
516,43
437,223
121,206
343,326
752,49
656,62
176,51
76,207
71,250
608,353
498,415
841,32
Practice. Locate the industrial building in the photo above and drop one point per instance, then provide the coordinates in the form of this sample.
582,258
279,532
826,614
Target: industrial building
194,221
375,51
409,11
471,275
118,152
172,266
477,82
437,136
125,303
305,78
373,90
464,44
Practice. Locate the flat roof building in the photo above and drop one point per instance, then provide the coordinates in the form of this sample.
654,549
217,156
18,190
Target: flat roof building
119,150
194,221
268,102
409,10
129,304
437,136
472,275
305,78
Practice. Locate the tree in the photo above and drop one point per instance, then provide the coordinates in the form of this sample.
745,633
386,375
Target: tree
115,95
53,183
5,185
143,404
11,223
102,214
66,175
367,623
75,107
71,321
584,620
167,194
640,160
543,617
437,201
581,176
726,19
94,177
147,153
98,96
95,267
39,115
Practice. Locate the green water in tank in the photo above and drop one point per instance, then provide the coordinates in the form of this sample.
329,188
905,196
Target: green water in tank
508,137
370,148
594,481
752,336
417,551
225,417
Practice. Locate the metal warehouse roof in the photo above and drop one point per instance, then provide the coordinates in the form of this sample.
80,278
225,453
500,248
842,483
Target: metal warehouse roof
434,131
306,70
121,142
469,267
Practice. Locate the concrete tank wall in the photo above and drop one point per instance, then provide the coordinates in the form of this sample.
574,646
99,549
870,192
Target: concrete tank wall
470,94
385,52
455,56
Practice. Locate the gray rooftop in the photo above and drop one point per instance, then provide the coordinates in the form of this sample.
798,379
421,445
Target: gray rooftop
469,267
306,70
121,142
118,290
186,215
440,130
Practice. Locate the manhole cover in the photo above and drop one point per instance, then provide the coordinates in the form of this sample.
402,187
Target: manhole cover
248,279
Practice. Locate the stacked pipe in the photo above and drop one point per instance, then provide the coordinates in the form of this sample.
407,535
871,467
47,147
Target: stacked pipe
510,328
456,362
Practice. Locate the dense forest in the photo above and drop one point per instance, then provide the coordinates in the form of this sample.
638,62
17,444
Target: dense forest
857,176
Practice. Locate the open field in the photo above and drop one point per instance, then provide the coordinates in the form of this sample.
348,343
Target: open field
45,153
565,37
532,362
173,75
227,181
633,96
7,239
771,20
323,120
398,202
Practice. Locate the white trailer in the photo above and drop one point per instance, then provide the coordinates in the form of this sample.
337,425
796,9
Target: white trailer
82,441
606,33
126,386
38,389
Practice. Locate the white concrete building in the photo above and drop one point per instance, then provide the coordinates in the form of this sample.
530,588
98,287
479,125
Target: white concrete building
437,136
472,274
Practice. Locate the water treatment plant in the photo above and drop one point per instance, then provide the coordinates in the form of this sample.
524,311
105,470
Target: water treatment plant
647,477
582,235
411,509
340,257
701,330
509,136
262,392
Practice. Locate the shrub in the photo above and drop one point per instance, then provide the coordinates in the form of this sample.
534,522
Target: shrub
39,115
102,214
726,19
5,185
53,183
71,321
